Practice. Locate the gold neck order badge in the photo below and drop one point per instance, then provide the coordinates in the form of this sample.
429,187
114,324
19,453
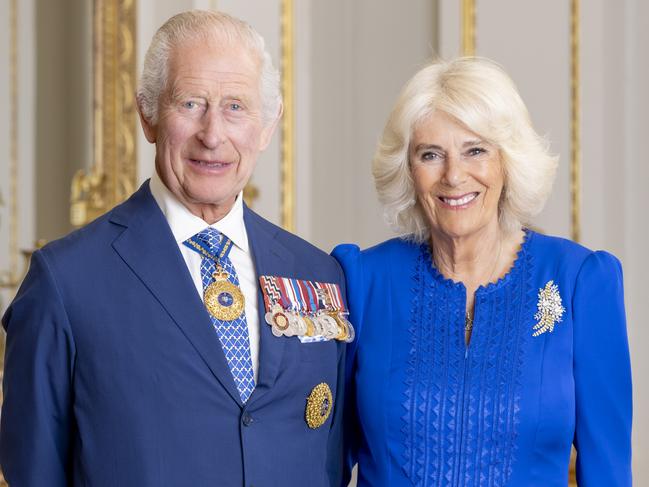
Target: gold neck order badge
223,299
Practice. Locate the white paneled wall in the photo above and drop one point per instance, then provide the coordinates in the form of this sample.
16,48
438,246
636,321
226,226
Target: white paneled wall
630,202
362,53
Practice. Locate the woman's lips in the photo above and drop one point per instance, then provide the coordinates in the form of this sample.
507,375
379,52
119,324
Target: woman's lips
460,201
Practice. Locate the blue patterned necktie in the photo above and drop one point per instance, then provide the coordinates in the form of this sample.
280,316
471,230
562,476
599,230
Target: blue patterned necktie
233,334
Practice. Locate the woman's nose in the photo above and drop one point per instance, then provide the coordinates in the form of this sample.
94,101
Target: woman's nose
454,171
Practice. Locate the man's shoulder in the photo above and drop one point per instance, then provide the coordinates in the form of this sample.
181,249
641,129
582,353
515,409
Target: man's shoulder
100,233
86,237
296,244
303,253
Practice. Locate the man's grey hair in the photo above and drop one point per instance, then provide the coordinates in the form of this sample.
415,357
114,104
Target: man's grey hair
196,25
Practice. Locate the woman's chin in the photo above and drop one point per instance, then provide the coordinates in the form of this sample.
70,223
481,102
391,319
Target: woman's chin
463,229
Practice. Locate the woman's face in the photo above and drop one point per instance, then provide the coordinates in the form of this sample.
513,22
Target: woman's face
458,177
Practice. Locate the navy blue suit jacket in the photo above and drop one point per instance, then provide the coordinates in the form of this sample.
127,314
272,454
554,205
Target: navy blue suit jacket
115,377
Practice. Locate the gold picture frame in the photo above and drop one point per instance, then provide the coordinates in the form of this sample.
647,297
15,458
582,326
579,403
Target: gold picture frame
112,176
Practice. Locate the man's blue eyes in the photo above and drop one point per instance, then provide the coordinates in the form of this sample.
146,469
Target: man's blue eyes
191,105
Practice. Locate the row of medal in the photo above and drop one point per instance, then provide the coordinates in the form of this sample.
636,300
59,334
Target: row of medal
312,311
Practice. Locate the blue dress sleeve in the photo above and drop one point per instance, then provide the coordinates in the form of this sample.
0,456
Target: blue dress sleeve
37,419
602,375
349,257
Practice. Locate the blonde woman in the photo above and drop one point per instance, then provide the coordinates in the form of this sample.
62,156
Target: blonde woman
485,350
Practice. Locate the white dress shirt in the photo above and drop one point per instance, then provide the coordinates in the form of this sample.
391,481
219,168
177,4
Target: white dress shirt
185,225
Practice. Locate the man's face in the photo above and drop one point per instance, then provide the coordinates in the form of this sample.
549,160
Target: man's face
210,128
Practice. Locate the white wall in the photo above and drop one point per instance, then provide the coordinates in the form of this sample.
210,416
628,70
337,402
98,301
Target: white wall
362,53
627,159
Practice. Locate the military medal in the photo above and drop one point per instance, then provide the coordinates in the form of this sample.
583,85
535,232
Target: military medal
331,298
314,311
310,327
318,406
343,329
330,327
278,320
296,324
351,333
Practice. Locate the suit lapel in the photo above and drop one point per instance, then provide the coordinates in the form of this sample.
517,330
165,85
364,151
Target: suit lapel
270,258
148,247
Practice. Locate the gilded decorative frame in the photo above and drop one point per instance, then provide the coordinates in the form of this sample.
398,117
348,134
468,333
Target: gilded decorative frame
112,176
287,158
468,27
575,122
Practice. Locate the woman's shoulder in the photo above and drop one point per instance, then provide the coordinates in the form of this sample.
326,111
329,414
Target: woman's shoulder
398,248
569,253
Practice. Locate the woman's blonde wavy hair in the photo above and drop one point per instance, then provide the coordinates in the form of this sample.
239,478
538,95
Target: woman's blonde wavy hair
481,96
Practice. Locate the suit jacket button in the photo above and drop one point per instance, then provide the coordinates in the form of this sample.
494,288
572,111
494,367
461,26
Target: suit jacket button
247,419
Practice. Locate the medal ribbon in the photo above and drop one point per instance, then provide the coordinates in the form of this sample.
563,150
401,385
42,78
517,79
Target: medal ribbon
221,251
304,295
300,295
287,300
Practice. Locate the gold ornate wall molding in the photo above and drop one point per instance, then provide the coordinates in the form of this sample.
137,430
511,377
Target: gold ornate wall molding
468,27
112,176
287,157
575,122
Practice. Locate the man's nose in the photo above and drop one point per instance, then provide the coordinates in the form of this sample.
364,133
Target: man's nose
212,132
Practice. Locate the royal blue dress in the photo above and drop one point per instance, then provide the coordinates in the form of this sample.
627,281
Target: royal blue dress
547,365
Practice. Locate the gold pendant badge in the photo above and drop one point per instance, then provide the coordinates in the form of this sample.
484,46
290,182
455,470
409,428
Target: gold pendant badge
318,406
223,300
550,309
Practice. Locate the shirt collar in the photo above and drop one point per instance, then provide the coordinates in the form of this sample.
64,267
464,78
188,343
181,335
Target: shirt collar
184,224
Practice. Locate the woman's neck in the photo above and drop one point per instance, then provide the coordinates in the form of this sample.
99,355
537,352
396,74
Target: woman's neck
475,259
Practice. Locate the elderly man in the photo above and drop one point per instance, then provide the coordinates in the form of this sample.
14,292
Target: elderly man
181,339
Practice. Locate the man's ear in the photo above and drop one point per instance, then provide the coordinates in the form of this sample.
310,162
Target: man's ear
268,130
150,129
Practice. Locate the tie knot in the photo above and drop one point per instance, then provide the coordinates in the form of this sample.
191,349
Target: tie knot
211,238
